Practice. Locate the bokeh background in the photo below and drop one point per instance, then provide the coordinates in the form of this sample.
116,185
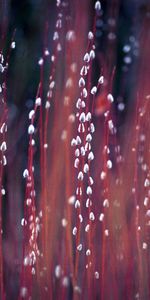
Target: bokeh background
27,21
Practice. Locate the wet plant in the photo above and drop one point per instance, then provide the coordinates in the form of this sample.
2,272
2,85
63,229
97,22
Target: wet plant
78,221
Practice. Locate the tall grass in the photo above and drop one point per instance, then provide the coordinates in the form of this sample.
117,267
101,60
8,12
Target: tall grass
84,229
